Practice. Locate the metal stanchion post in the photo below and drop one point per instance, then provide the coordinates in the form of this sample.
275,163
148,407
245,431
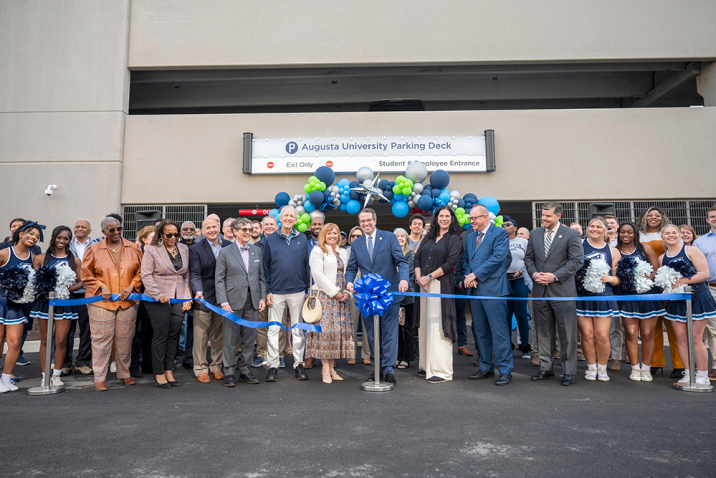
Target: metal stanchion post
46,388
376,386
692,385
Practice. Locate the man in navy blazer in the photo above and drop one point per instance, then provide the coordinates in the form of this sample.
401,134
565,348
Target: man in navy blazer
484,264
202,267
378,252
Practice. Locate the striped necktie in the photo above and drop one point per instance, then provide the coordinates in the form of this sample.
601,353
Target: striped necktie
479,239
547,242
370,248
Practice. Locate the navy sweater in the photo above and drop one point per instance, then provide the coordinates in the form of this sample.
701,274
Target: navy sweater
286,263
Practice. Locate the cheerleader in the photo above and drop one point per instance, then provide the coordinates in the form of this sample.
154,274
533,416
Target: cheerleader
595,317
639,317
702,303
13,316
57,256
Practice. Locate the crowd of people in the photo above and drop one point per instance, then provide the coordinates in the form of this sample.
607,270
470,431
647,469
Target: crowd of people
265,271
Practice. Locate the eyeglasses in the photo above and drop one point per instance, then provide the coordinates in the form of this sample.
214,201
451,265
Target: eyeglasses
191,229
475,218
244,229
115,229
355,236
170,235
506,225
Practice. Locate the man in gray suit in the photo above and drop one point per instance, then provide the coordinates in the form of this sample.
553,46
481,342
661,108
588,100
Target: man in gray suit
241,289
554,254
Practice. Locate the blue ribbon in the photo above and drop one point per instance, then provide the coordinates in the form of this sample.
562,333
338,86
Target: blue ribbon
229,315
372,295
598,298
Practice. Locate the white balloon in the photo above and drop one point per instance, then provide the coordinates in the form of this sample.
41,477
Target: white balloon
367,182
364,173
316,213
417,188
335,189
416,172
300,210
455,194
410,204
292,203
336,202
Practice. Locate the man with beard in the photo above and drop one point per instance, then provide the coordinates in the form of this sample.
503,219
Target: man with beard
188,233
255,232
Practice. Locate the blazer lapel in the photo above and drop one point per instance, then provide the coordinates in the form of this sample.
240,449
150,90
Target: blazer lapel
378,243
237,254
208,251
162,251
184,259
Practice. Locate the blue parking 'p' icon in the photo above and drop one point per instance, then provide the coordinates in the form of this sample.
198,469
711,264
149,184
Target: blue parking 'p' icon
291,147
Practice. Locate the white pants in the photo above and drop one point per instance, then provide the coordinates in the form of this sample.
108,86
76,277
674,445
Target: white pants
616,337
435,349
710,333
294,302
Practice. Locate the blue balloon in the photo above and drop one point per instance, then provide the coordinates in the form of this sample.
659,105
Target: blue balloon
384,184
354,184
440,179
274,213
316,198
343,182
426,192
354,195
436,193
325,174
427,187
400,209
308,206
461,203
389,194
353,207
470,197
466,226
342,207
425,203
444,197
491,204
282,199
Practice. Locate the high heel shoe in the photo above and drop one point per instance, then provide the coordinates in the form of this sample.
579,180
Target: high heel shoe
335,376
162,385
327,376
173,384
653,370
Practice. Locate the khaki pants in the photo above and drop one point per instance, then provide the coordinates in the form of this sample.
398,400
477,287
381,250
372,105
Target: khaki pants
262,336
108,328
207,323
710,333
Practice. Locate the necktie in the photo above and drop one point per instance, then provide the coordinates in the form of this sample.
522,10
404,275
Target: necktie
479,239
547,242
370,248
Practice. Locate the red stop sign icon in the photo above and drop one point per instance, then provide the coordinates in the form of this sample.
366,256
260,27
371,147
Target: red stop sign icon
329,164
269,164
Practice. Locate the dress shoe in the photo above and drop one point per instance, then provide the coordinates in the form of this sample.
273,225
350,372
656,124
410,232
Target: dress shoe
162,385
309,363
128,381
390,378
203,378
65,371
615,365
567,379
504,379
542,375
653,370
351,361
677,373
535,360
229,381
464,351
136,372
248,378
300,373
480,374
476,363
271,376
436,379
366,361
83,370
188,364
372,378
173,383
100,386
712,374
217,374
421,373
581,357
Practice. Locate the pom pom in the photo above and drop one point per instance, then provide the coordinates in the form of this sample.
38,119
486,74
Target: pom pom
634,275
45,281
18,283
680,266
665,278
642,276
590,276
66,278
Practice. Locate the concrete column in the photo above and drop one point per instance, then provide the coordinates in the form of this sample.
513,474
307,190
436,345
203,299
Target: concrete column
706,83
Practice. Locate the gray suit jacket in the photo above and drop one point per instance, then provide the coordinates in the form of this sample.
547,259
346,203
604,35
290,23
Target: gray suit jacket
233,281
565,257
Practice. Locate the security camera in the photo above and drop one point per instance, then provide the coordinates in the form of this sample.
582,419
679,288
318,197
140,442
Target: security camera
50,189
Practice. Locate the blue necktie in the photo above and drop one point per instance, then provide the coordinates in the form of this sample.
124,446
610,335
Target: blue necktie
370,248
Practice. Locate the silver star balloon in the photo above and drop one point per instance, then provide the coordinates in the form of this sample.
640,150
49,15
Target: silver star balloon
370,191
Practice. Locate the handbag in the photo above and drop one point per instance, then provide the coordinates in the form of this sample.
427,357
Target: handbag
401,316
312,313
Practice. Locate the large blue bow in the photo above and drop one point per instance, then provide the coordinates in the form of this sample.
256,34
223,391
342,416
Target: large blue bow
39,227
372,296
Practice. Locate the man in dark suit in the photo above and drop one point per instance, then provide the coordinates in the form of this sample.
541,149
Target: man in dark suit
241,289
554,254
378,252
202,269
484,264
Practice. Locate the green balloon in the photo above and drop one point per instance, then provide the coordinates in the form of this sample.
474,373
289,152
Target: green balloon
313,179
407,191
460,211
397,189
307,188
302,227
400,179
305,217
323,186
409,184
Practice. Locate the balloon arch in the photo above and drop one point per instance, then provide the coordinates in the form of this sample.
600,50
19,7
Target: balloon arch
320,195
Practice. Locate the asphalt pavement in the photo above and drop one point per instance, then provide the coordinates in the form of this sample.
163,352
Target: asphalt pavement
310,429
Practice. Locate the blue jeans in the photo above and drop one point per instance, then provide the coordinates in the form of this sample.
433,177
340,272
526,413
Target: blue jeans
519,309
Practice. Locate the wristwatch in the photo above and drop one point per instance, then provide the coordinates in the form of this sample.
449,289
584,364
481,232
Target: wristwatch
430,276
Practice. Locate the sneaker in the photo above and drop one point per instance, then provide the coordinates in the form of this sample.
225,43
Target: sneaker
65,371
22,361
258,361
83,370
685,380
56,382
635,375
602,375
113,367
646,376
11,387
281,363
3,387
14,379
526,355
590,375
702,379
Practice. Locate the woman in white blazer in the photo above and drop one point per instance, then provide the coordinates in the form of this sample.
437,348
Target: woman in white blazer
328,266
